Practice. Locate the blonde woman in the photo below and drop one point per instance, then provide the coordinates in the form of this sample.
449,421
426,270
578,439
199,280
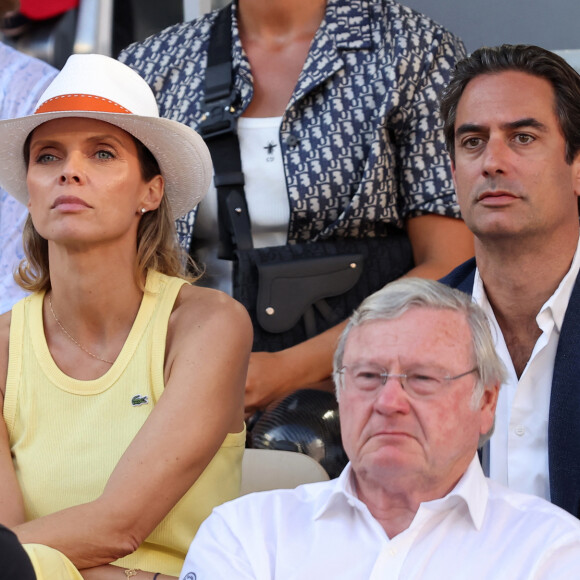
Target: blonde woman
122,384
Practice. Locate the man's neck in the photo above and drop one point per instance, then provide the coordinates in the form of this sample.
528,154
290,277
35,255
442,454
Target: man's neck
395,500
518,279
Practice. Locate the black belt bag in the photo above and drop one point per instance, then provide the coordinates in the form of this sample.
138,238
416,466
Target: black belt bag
297,291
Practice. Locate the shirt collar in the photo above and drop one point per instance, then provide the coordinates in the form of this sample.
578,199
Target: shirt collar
346,26
555,307
343,492
348,21
558,302
471,490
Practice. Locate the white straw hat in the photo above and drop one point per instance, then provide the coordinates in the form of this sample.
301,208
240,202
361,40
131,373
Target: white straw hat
99,87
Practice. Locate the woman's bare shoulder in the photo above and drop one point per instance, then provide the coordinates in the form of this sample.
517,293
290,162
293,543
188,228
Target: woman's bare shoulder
198,308
208,304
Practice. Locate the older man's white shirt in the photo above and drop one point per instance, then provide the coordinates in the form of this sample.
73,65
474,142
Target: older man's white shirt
480,530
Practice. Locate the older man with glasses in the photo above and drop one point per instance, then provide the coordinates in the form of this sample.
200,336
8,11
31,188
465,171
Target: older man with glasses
417,380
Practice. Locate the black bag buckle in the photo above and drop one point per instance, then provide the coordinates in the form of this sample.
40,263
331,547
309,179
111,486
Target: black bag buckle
217,119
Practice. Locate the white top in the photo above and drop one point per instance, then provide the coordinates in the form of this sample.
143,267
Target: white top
266,196
22,81
519,445
320,531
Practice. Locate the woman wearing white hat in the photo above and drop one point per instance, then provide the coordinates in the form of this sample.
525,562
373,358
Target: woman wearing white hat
122,384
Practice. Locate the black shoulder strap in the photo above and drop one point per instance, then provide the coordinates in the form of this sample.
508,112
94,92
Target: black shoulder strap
218,129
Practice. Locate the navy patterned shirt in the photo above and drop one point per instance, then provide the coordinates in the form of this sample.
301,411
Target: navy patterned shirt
361,137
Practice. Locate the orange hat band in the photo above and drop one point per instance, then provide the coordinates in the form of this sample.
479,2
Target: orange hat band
80,103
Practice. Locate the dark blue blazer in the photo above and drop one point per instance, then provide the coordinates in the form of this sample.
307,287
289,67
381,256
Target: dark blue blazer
564,416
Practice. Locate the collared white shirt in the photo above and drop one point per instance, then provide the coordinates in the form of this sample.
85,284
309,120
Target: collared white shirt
322,531
519,445
22,81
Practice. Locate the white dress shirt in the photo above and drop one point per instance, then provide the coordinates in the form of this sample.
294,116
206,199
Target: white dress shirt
322,531
22,81
519,445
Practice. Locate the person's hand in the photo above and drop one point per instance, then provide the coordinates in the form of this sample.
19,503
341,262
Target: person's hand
111,572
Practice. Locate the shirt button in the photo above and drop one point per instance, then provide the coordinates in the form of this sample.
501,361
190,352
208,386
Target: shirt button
291,141
519,430
393,552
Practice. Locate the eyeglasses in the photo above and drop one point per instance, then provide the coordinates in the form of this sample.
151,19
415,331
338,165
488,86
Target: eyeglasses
370,378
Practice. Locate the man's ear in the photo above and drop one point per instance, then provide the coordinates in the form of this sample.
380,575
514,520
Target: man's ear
576,174
487,405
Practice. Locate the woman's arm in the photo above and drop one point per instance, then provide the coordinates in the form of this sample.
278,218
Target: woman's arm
11,503
208,345
439,244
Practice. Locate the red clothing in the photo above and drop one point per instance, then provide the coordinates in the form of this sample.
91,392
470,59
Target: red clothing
43,9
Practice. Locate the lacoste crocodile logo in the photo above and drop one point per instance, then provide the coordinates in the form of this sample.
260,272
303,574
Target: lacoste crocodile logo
139,400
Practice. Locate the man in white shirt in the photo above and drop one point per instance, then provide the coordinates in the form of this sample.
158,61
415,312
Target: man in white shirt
511,118
417,382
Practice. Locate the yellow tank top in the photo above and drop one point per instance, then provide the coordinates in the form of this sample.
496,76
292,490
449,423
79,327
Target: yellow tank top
67,435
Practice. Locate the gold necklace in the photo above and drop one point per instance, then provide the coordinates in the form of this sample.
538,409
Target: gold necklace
109,362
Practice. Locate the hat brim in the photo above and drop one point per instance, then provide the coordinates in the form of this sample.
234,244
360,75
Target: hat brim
182,155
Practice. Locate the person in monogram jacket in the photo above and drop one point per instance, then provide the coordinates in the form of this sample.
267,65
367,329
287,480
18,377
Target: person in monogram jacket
340,136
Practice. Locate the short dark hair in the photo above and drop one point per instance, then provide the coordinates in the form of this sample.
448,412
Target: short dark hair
530,59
